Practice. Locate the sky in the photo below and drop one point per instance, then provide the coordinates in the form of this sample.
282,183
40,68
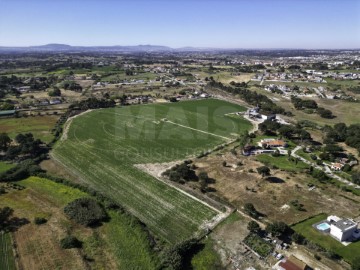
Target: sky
306,24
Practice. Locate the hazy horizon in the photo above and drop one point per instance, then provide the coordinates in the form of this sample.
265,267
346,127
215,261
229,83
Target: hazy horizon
258,24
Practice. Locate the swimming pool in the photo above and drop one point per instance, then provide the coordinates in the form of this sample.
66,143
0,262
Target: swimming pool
323,226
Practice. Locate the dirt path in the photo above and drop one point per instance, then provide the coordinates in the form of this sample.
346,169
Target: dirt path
68,123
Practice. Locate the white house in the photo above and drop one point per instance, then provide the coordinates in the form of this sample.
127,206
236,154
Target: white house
342,229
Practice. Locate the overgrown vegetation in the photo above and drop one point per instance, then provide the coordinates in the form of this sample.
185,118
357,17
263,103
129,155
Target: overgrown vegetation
85,211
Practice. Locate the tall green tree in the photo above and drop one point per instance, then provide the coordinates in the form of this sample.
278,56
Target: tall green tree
4,141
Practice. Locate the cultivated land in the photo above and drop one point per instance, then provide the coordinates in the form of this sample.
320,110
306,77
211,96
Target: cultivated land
7,261
114,140
117,244
39,126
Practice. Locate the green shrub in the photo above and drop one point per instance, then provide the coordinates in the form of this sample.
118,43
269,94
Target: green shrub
85,211
70,242
40,220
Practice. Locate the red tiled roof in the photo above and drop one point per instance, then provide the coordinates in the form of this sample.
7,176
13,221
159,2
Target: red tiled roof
288,265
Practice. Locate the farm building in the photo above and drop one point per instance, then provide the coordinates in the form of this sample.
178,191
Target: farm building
7,113
271,143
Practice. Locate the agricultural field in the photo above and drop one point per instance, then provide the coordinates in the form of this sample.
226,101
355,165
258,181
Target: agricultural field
7,261
115,140
118,244
39,126
305,228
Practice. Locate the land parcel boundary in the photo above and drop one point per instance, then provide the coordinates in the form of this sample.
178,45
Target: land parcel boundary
103,146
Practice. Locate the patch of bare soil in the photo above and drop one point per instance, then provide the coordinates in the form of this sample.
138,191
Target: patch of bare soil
272,196
156,169
306,256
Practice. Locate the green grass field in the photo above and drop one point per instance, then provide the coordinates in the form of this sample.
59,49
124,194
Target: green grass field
305,228
39,126
7,260
281,162
103,146
5,166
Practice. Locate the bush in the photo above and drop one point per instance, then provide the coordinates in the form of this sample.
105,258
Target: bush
70,242
40,220
85,211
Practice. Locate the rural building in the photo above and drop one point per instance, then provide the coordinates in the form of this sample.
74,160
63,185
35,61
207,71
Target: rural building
272,143
24,89
268,116
292,263
7,113
337,166
55,101
343,229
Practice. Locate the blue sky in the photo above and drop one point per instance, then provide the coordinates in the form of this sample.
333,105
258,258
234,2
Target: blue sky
178,23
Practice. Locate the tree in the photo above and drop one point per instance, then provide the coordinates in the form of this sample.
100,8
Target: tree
4,141
70,242
286,131
253,227
203,176
277,228
263,170
304,135
325,113
249,208
356,178
5,214
85,211
55,92
298,238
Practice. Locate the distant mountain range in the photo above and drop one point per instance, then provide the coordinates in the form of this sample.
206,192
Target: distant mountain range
54,47
68,48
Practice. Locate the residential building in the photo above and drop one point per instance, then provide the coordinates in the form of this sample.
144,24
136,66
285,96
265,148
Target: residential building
337,166
272,143
343,229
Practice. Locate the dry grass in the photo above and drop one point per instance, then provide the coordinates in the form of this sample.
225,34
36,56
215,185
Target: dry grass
272,198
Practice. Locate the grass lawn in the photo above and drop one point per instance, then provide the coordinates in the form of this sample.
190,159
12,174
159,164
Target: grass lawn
39,126
305,228
281,162
114,140
5,166
7,260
